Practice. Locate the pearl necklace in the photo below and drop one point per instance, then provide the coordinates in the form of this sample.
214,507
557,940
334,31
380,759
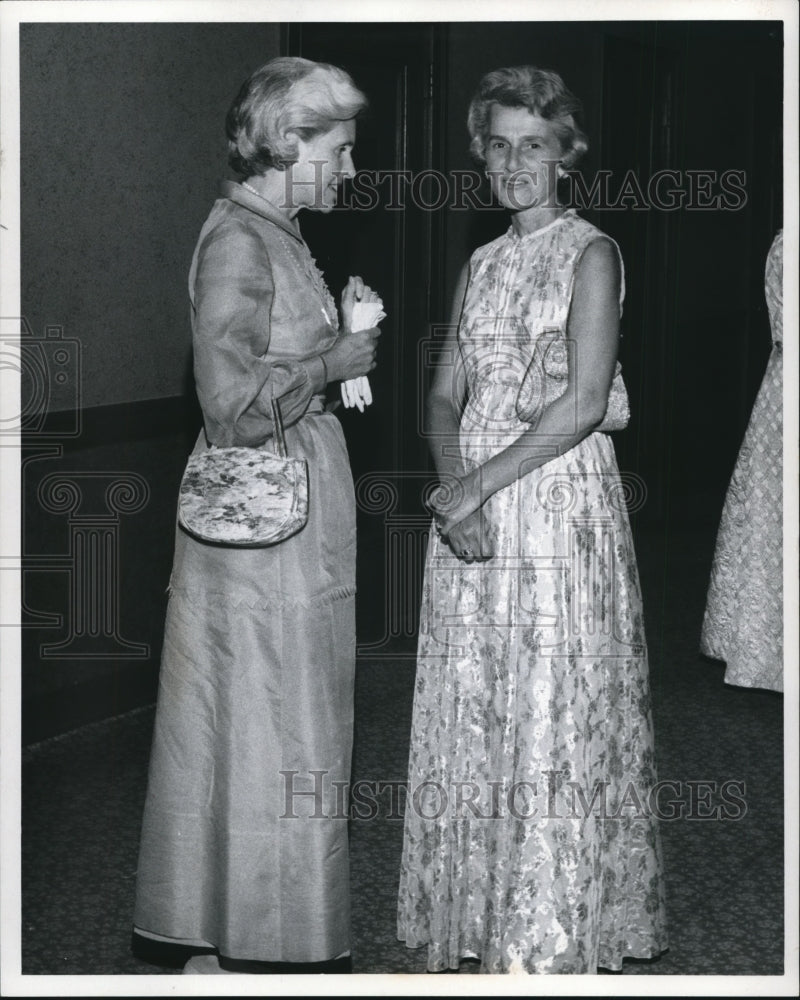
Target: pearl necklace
252,190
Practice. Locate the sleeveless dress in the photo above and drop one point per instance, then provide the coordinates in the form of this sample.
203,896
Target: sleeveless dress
743,622
244,843
529,842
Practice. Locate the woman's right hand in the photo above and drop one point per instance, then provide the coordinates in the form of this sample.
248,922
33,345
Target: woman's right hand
352,355
470,539
351,293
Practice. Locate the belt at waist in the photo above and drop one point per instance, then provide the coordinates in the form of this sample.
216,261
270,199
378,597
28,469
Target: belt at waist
316,404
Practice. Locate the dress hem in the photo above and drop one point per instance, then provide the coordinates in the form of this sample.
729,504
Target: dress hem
653,955
336,952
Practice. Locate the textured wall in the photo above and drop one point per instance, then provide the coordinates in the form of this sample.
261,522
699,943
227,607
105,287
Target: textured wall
122,147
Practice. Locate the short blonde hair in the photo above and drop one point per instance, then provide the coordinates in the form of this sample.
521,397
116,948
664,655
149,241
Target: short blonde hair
285,99
543,93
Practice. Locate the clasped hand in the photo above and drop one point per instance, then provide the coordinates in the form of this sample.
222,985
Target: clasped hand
461,521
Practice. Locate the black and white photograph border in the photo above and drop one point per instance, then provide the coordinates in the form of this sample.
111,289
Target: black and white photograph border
96,341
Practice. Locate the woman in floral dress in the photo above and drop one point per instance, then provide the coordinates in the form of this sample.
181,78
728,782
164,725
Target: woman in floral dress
530,841
743,621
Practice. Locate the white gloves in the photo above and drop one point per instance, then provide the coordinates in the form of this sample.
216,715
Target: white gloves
366,314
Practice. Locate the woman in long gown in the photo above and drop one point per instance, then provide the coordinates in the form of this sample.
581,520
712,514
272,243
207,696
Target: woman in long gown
255,705
530,836
743,622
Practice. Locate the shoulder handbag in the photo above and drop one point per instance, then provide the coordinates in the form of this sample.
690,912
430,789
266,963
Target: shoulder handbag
546,379
245,497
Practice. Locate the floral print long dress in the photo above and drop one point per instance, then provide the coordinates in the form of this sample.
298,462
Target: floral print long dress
531,840
743,621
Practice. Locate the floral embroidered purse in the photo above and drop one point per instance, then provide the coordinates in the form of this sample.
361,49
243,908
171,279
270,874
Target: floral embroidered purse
243,496
546,380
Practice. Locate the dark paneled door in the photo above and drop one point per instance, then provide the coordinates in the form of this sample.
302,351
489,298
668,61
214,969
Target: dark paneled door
637,139
695,332
385,231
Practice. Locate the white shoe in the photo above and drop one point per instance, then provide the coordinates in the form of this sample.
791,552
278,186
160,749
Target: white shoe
203,965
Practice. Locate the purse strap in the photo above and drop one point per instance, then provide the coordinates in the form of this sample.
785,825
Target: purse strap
277,435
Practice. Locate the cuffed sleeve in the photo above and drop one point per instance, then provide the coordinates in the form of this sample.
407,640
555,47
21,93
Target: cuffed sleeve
232,300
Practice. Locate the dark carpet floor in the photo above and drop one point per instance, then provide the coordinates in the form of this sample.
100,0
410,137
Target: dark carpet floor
83,795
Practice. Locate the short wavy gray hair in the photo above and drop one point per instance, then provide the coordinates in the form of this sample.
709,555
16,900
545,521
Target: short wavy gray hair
543,93
287,95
